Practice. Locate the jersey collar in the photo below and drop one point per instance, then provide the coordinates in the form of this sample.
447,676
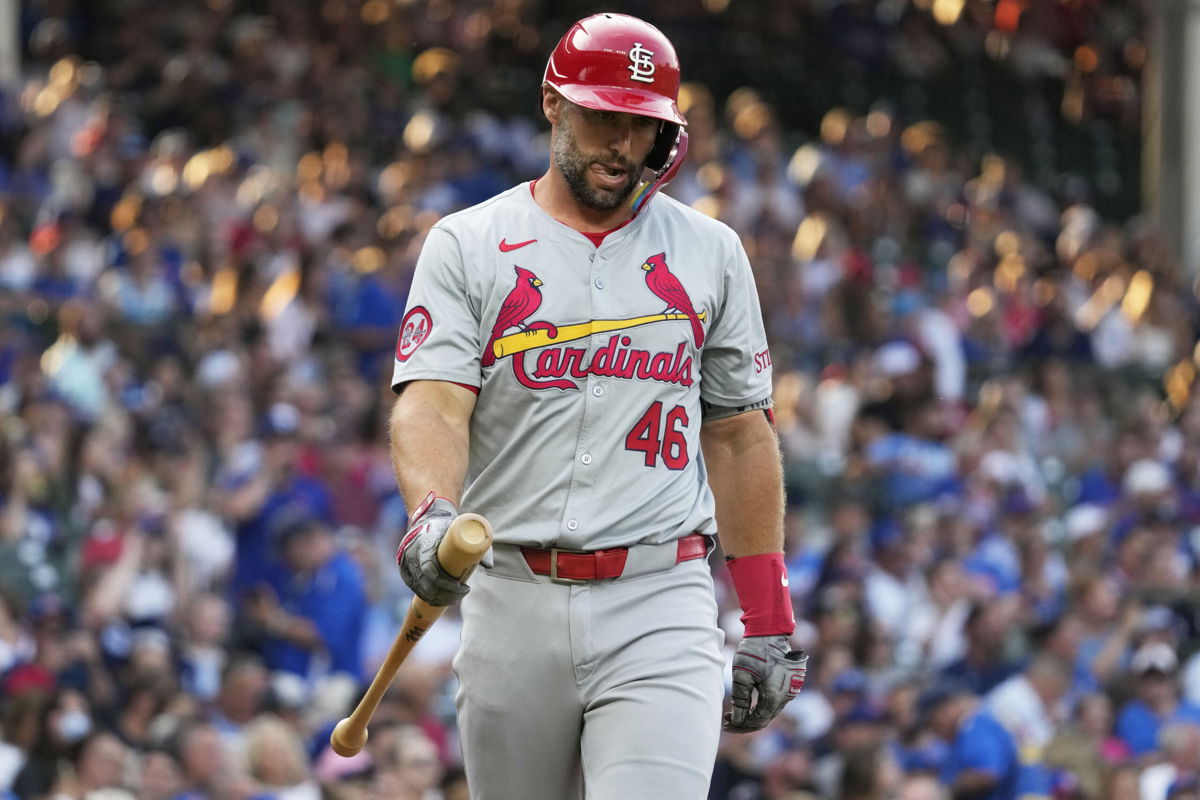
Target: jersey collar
596,239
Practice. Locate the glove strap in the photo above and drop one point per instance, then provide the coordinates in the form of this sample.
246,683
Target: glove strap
414,524
426,504
761,584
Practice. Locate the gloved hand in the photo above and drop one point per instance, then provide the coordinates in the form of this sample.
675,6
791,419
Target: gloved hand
767,666
417,556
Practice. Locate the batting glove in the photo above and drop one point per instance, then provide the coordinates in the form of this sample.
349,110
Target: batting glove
765,666
417,556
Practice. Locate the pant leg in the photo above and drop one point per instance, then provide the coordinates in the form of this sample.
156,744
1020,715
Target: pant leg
519,706
653,713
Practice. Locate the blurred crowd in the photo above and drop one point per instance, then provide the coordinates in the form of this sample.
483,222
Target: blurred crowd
209,214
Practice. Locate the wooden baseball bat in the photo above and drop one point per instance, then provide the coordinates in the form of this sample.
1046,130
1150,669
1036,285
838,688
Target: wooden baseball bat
468,538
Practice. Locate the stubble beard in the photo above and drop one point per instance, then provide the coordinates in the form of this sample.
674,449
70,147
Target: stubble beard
574,167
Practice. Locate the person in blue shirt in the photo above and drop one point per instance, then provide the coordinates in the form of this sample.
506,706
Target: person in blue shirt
1157,701
365,306
312,618
981,762
985,664
262,493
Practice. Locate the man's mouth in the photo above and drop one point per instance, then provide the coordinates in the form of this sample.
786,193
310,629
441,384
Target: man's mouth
610,175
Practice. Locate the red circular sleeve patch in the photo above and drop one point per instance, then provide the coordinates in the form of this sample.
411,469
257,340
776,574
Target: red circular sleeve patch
414,330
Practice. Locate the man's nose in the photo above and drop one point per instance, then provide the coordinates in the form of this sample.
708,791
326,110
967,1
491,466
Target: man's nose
622,136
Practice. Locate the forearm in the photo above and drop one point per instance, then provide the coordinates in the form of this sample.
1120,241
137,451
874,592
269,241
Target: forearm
103,602
741,454
244,502
1108,661
746,476
295,629
429,430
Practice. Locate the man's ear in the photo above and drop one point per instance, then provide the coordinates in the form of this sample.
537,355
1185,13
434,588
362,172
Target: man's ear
552,104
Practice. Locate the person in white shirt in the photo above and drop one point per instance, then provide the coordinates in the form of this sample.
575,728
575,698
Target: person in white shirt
1180,746
1030,704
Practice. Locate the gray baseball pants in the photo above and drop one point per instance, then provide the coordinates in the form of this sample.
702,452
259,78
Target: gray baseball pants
605,690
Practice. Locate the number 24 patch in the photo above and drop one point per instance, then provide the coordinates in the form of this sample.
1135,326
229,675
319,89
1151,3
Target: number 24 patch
414,330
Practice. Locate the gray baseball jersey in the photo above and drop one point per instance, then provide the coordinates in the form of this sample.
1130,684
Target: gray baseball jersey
591,364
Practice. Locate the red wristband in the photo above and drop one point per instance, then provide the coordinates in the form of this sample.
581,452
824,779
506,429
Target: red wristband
761,584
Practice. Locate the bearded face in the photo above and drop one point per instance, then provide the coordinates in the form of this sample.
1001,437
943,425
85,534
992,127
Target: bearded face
576,167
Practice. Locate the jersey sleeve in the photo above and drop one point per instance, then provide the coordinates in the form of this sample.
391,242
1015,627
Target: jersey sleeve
439,335
735,363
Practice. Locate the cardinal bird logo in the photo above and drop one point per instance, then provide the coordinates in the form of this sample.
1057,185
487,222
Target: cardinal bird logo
544,355
666,287
522,301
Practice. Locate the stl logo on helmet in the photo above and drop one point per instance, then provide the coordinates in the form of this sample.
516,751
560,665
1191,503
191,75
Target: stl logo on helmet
641,64
414,330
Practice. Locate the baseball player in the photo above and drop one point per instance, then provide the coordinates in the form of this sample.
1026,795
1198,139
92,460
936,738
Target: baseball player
584,363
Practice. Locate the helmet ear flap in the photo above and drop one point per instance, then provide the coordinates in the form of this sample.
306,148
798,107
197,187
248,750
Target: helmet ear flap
668,136
676,153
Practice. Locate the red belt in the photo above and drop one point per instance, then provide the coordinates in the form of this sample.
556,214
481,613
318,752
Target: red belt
594,565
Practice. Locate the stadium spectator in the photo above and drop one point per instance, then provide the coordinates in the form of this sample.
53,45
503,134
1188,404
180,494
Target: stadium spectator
1179,745
1156,702
982,759
277,760
870,774
985,664
312,615
240,698
1108,628
1083,752
208,768
159,775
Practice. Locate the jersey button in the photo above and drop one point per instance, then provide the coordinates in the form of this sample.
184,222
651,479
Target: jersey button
597,390
572,524
599,283
586,458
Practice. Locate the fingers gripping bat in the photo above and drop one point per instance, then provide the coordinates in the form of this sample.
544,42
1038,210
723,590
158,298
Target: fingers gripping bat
467,539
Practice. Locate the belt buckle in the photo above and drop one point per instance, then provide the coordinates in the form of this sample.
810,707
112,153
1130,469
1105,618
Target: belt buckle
554,576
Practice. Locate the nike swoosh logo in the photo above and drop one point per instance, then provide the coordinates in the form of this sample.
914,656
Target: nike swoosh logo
505,247
783,580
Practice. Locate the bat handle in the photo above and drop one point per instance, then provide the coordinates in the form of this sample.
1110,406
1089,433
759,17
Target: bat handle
464,544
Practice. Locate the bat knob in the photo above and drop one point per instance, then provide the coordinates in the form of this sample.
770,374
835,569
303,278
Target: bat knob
345,740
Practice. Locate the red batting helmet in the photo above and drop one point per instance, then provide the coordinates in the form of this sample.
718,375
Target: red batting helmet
614,62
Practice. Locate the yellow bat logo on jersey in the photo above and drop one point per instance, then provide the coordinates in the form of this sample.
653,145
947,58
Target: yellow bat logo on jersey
531,339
